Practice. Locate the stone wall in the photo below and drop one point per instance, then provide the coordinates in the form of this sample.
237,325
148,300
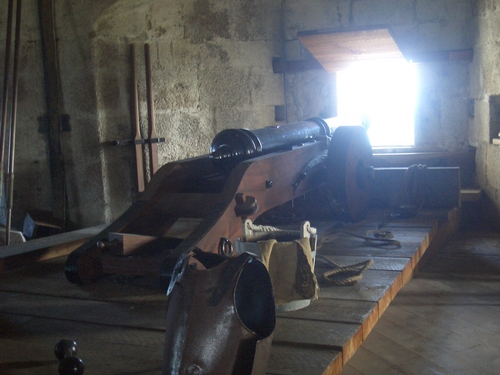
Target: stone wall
485,90
212,69
441,120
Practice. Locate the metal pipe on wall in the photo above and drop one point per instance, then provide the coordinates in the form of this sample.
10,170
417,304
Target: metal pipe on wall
13,120
5,92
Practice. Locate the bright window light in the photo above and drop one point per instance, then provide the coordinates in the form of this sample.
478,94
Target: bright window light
384,94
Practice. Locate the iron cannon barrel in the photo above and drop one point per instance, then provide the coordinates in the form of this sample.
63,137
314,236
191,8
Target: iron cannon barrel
232,146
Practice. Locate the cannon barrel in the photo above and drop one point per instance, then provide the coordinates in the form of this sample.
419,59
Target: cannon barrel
232,146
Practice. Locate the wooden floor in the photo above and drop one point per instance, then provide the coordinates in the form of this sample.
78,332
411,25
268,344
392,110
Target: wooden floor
118,323
446,320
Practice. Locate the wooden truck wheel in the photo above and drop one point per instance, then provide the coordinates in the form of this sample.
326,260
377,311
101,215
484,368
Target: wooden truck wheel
349,172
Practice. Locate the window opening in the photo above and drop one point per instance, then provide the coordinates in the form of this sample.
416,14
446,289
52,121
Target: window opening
383,93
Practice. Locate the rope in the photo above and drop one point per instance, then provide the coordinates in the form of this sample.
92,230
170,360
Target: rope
375,238
346,275
351,274
262,228
267,228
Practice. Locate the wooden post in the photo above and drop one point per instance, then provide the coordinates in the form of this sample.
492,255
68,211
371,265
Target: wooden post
135,119
153,146
54,103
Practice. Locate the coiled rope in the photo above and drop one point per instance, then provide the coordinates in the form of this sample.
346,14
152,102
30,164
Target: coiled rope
351,274
343,275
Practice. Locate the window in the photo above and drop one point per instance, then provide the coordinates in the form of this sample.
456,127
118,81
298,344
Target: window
384,94
373,80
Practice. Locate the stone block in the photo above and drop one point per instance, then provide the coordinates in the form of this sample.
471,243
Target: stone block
448,10
479,130
310,94
454,123
258,20
387,12
314,15
492,166
481,176
494,111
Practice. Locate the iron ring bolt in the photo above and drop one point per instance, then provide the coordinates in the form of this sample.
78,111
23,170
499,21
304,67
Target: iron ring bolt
225,247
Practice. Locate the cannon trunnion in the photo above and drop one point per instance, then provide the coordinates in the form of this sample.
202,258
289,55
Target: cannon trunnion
194,202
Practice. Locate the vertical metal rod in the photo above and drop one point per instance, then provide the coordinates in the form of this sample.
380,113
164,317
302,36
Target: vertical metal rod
139,160
153,146
5,96
54,103
12,138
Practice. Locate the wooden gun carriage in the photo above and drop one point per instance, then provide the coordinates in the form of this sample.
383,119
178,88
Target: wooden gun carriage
196,202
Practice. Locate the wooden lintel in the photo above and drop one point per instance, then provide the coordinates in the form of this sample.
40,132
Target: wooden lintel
282,66
464,55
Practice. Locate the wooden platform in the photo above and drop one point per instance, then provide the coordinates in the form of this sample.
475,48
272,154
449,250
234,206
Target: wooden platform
118,323
445,320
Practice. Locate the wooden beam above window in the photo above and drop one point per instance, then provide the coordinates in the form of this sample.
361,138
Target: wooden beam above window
336,50
420,57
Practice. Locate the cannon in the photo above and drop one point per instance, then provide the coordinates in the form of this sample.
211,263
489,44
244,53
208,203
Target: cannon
196,202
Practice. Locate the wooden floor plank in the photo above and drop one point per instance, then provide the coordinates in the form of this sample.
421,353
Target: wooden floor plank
365,362
349,370
358,247
474,245
478,268
138,315
426,218
436,352
350,235
372,287
126,312
379,263
28,344
333,310
446,319
290,360
396,318
393,290
394,358
47,278
370,321
475,310
331,335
